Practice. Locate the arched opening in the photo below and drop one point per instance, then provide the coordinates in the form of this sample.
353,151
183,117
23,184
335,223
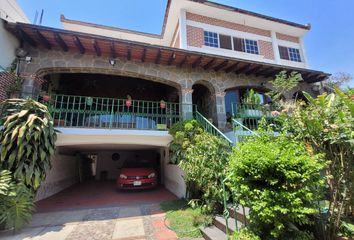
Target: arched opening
202,97
299,96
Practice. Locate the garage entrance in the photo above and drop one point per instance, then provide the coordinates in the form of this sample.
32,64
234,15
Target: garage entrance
104,175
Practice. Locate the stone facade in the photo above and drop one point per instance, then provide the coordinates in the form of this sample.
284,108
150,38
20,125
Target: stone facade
183,79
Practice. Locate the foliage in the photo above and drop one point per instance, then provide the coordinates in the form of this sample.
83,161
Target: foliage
325,124
244,234
280,181
27,140
184,220
17,202
283,83
251,98
16,86
204,159
338,79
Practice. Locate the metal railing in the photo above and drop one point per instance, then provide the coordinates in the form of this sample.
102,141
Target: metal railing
210,128
250,115
111,113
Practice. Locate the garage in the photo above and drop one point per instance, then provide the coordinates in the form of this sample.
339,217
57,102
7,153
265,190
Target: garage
96,175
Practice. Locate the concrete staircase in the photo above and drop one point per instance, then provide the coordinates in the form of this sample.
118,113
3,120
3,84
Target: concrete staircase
218,230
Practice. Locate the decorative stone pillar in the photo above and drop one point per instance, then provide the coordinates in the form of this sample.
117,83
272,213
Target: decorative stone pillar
31,86
187,103
220,109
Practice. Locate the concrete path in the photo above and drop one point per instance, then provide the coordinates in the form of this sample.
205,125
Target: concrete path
134,222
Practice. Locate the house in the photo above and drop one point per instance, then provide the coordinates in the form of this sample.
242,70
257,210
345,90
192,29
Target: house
9,11
201,65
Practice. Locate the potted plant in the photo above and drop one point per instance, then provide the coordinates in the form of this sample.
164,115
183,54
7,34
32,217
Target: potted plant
162,104
14,90
128,102
252,103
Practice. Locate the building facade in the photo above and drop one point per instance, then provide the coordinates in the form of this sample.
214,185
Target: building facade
114,90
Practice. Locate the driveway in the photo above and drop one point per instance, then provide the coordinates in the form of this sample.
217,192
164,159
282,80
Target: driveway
126,222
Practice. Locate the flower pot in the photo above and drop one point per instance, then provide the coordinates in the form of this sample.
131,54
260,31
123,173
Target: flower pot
253,113
128,103
46,98
162,105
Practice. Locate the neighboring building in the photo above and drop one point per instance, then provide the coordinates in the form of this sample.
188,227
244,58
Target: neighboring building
202,63
9,11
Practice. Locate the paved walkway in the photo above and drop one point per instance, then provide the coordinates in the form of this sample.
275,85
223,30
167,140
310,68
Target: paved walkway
129,222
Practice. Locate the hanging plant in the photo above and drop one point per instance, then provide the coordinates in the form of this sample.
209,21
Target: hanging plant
128,102
27,140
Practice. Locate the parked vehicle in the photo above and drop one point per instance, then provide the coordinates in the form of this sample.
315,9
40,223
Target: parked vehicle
137,174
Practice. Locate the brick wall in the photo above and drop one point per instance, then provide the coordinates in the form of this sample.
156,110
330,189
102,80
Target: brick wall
6,79
287,38
226,24
195,36
266,49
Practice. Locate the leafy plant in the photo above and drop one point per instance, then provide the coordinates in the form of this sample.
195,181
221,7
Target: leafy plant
284,83
251,98
325,124
280,181
245,234
17,202
204,159
16,86
27,140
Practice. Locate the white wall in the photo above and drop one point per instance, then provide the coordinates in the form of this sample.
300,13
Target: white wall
11,12
173,178
63,174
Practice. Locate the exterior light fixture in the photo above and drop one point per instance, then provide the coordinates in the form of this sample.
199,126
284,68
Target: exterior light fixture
112,62
28,59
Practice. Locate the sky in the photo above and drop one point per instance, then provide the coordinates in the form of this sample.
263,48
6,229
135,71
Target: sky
329,44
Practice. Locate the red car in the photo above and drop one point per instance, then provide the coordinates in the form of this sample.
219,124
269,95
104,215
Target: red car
138,174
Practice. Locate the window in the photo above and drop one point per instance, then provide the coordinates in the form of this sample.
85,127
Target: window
211,39
292,54
245,45
225,41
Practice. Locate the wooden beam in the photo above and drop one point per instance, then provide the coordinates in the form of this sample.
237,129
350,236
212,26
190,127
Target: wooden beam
273,73
96,47
253,70
113,50
172,58
197,62
264,71
61,42
158,57
44,40
209,64
129,53
245,68
233,67
24,36
143,55
183,61
79,45
221,65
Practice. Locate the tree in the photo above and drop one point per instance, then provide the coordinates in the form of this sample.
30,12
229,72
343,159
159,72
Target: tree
339,79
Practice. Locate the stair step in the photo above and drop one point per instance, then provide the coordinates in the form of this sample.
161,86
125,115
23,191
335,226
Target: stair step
240,215
213,233
219,222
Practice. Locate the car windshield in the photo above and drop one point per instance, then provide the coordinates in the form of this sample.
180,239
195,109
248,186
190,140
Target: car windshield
137,164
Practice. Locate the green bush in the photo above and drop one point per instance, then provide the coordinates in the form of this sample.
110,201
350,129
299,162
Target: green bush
244,234
280,181
204,158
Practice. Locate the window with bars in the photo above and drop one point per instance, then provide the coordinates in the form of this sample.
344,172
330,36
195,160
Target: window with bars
292,54
211,39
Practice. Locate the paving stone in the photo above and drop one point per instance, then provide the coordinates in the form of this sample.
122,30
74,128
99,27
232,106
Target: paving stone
130,212
56,232
58,218
102,214
129,228
95,230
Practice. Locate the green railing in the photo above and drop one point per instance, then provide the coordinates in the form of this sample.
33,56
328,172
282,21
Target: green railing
241,131
250,115
110,113
210,128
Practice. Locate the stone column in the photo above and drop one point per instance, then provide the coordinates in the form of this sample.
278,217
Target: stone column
31,86
187,103
220,109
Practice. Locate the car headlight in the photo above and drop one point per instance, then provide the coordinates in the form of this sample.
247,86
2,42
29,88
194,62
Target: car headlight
123,176
151,175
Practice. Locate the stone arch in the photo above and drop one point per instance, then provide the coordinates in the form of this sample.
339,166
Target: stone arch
204,97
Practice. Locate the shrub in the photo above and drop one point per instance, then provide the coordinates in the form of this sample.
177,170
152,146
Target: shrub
244,234
204,158
280,181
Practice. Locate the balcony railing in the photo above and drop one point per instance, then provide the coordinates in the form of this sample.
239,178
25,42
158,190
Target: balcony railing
250,115
110,113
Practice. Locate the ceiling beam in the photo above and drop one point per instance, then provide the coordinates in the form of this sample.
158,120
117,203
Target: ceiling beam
172,58
253,70
27,38
96,47
245,68
158,57
61,42
273,73
79,45
129,53
263,71
183,61
197,62
113,50
233,67
43,40
209,64
143,55
221,65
